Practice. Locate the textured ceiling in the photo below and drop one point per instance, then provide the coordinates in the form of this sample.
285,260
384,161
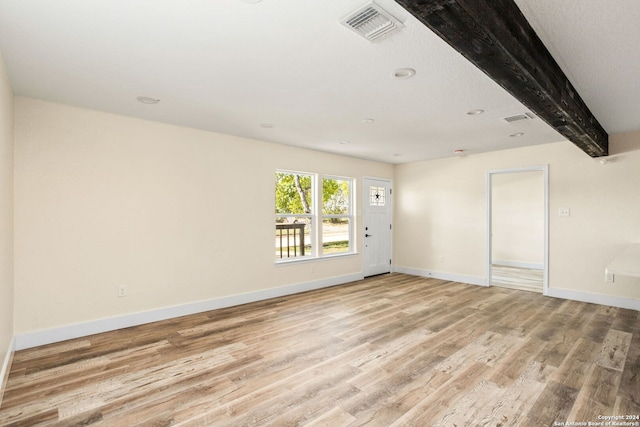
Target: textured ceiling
595,42
230,66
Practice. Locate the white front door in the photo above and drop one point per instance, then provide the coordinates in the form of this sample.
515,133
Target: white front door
377,226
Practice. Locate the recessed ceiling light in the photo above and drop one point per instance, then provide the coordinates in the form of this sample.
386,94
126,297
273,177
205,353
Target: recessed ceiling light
266,125
250,1
345,142
404,73
516,135
458,151
367,120
147,100
397,155
475,112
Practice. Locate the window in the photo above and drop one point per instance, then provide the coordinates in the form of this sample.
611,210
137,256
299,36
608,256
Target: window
377,196
300,199
336,215
294,214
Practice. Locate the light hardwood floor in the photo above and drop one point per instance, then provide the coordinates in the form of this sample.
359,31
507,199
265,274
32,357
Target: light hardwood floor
393,350
524,279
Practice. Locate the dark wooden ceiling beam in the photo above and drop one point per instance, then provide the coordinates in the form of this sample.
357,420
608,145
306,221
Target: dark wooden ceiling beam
496,37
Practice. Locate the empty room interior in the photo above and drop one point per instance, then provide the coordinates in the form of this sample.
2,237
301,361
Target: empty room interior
322,213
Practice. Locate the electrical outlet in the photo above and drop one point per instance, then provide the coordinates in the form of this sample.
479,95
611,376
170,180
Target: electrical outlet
564,212
609,277
122,291
441,259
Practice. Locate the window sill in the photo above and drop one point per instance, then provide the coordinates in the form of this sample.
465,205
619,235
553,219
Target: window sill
314,259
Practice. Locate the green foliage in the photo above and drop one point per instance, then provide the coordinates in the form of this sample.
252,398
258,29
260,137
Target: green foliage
335,197
288,199
335,247
294,195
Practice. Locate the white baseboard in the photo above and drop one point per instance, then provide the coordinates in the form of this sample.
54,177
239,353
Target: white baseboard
48,336
6,365
612,301
519,264
471,280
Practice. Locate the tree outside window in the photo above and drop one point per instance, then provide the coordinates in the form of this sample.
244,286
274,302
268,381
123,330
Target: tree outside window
336,215
298,233
294,214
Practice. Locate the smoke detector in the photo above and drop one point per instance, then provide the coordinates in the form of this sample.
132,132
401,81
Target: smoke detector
372,22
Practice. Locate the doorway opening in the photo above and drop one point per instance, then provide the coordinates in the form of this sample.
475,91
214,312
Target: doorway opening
517,224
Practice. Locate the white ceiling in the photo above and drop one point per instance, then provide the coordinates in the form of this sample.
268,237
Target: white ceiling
232,66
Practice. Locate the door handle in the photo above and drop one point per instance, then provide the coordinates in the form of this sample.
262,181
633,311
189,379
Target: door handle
368,235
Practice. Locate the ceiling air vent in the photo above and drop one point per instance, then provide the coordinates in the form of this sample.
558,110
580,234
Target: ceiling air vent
372,22
518,117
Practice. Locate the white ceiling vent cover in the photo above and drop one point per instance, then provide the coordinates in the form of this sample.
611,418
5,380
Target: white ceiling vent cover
518,117
372,22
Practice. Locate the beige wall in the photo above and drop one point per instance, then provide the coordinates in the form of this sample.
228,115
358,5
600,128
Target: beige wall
177,215
441,212
517,207
6,214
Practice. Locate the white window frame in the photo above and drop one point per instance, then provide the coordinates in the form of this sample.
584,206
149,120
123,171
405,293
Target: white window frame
348,216
313,215
315,233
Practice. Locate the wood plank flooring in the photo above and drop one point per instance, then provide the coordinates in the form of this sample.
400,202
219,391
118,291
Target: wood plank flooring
524,279
393,350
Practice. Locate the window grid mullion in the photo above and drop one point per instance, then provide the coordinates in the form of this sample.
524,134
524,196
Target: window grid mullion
316,219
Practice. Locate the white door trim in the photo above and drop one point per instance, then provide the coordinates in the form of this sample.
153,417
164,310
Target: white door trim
545,171
365,201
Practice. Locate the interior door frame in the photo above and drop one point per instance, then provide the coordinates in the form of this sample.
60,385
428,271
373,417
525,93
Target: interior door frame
545,173
365,201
